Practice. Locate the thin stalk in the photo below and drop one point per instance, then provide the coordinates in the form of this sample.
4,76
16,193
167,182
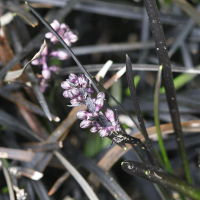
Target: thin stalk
157,121
5,166
162,53
90,193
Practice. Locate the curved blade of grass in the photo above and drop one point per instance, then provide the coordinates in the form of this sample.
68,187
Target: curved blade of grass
137,110
65,45
11,123
161,177
28,17
17,73
157,122
27,104
91,195
162,53
38,93
8,179
58,183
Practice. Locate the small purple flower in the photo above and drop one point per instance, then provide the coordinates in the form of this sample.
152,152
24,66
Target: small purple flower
85,123
99,101
61,55
94,129
73,79
89,90
73,93
64,31
65,85
46,73
82,80
65,94
83,115
110,116
104,132
101,95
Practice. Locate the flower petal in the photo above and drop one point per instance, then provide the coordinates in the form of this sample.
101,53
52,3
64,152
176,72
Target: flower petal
85,124
65,85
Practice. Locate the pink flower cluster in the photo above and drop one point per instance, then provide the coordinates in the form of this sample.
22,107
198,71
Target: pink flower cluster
89,120
69,37
76,88
64,31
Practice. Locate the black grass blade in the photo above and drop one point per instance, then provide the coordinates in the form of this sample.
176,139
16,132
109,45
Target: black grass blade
138,111
162,53
159,176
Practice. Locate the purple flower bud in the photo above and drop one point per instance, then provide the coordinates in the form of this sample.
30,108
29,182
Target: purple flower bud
65,94
49,35
75,92
110,116
89,90
104,132
73,78
46,73
85,124
54,39
36,62
83,114
67,41
72,37
54,68
99,104
61,55
55,25
80,98
74,101
82,80
65,85
101,95
64,28
71,95
94,129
